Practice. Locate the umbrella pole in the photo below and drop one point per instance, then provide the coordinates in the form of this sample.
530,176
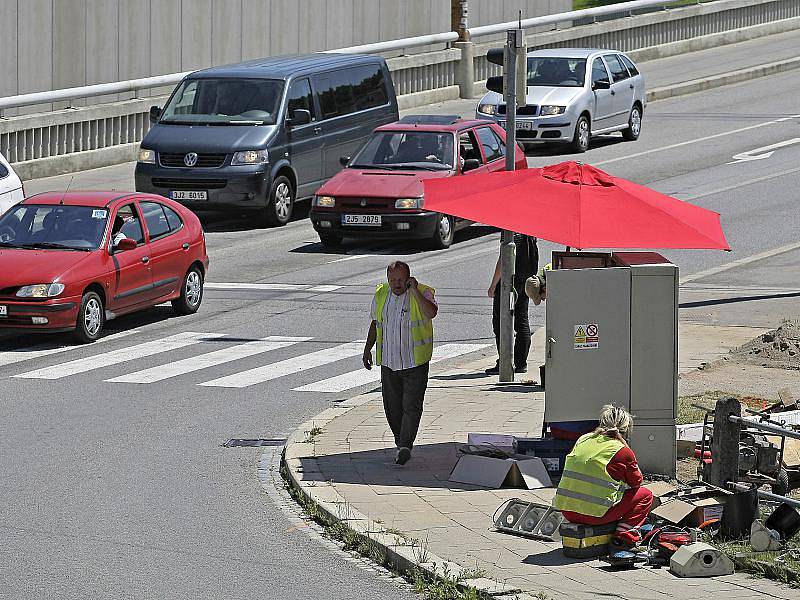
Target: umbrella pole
515,43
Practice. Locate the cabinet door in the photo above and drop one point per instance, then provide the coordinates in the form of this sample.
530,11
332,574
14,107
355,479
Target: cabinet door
588,342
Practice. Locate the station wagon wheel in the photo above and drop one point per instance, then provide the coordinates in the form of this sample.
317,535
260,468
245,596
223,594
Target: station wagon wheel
634,124
580,141
91,316
191,293
281,201
444,232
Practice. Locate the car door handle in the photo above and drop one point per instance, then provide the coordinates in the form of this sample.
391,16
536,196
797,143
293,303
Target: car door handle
317,130
185,246
145,259
613,93
630,85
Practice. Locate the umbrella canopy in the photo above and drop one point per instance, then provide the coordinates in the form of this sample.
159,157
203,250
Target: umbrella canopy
579,206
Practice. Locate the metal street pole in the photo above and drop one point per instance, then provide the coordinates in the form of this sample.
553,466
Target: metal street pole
514,45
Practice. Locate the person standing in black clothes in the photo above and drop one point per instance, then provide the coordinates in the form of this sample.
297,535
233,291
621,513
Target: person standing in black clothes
526,265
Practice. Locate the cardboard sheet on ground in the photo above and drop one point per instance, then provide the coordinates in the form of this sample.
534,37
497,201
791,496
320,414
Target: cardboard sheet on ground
529,473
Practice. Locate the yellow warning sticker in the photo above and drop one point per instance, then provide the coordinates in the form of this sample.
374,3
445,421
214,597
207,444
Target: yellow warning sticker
586,336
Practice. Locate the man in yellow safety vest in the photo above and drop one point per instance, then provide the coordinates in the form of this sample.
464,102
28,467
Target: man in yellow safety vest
402,333
602,483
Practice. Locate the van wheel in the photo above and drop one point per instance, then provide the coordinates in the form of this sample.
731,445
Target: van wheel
330,240
444,232
281,202
580,140
191,293
634,124
91,317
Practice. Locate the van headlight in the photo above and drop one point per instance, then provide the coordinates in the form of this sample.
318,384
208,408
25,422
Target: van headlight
549,110
408,203
40,290
487,109
146,156
249,157
324,201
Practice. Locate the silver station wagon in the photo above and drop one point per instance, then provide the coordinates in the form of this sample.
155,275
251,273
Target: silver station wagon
573,94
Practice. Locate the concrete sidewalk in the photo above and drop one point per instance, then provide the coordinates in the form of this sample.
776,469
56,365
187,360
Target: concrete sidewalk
422,518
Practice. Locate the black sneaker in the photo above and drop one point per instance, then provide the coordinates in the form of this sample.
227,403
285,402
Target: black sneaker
495,370
403,454
522,369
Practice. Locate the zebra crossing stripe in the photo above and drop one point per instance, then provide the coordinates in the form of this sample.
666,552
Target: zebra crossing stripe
11,357
289,366
121,355
360,377
209,359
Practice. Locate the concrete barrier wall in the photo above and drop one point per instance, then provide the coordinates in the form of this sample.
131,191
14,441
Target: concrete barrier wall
54,44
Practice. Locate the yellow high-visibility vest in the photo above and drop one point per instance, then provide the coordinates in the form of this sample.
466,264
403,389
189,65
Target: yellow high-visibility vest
421,326
586,487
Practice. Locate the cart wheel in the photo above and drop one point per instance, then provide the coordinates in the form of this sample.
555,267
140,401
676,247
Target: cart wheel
781,488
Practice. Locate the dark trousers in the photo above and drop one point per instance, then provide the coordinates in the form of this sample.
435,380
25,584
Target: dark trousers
403,393
522,328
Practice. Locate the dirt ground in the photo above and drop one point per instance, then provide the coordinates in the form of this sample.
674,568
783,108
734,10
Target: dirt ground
757,369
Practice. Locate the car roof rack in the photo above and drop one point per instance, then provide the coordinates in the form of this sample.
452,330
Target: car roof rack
429,119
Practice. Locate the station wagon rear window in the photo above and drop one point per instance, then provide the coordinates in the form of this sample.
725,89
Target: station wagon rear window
224,101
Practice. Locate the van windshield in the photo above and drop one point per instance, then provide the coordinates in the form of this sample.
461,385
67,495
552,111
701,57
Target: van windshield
224,101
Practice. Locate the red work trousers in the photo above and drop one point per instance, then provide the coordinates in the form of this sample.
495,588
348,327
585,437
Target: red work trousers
631,512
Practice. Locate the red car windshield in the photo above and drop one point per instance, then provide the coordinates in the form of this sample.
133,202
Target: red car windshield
53,226
412,150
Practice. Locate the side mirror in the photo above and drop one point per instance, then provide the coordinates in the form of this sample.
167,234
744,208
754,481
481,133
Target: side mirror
155,114
125,244
343,160
601,84
300,116
470,164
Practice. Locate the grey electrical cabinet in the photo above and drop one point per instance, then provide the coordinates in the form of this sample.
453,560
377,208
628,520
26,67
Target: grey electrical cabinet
612,338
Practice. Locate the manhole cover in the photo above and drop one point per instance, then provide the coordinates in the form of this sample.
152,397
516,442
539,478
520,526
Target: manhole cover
237,442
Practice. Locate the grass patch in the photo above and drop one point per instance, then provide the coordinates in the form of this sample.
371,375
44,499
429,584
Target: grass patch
689,413
312,435
783,565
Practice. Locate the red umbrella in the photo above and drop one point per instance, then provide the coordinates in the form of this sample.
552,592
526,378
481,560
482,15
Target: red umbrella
579,206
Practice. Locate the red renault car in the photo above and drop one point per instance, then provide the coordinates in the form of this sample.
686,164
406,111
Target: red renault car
380,192
69,261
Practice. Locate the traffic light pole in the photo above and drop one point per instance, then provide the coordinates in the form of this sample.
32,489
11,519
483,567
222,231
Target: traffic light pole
514,45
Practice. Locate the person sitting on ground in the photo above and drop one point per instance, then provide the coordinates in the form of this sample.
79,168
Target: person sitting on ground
596,473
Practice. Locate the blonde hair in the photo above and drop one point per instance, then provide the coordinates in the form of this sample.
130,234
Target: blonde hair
614,419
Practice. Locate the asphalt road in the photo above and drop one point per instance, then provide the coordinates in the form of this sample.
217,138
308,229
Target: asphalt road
121,489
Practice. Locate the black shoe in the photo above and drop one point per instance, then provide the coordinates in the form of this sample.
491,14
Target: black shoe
522,369
403,454
495,370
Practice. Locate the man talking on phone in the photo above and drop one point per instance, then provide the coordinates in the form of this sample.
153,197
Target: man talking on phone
402,333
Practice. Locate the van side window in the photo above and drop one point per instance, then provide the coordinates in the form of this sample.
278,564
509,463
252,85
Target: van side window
300,98
369,87
335,91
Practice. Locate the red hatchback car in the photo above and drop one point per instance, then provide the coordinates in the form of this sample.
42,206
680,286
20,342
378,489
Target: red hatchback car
380,192
69,261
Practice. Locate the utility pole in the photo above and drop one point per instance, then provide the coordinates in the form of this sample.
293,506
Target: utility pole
513,84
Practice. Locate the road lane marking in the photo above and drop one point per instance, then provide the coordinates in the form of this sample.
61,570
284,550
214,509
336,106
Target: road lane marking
761,153
741,262
289,366
273,287
741,184
360,377
695,141
209,359
122,355
9,357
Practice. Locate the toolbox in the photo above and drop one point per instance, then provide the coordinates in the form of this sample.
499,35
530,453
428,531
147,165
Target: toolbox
585,541
553,452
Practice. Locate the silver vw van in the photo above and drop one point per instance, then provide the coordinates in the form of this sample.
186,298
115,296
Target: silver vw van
258,135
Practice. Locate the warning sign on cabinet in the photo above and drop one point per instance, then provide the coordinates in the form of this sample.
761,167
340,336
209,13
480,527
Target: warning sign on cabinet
586,336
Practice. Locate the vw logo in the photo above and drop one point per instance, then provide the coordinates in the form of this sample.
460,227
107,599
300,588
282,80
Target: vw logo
190,159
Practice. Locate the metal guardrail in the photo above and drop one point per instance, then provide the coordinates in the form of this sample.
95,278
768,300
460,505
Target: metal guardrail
114,127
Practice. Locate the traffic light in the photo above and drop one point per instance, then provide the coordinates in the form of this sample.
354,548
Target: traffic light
499,56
